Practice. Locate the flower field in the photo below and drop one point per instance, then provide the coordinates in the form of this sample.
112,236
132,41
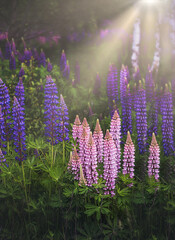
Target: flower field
81,160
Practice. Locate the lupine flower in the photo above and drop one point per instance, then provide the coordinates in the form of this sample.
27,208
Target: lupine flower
1,55
98,138
66,71
5,104
126,111
141,118
42,59
2,159
167,122
2,130
97,85
112,85
51,111
129,157
49,66
8,50
19,130
14,47
110,165
82,180
63,121
19,93
12,62
74,164
77,129
153,116
20,57
63,61
83,139
86,125
154,158
90,161
21,72
123,81
115,130
77,73
149,84
27,56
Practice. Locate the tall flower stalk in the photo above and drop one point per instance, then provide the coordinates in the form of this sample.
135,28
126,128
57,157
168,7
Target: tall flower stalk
19,93
141,118
63,61
115,130
154,158
77,129
19,130
63,124
5,105
51,111
129,157
110,164
90,161
98,138
167,122
2,131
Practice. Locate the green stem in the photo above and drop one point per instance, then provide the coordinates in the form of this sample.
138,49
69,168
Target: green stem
52,156
24,182
63,151
8,147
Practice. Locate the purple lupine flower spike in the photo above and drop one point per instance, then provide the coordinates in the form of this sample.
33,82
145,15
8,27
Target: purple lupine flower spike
98,138
74,164
5,104
19,130
51,111
19,93
110,165
63,61
63,121
21,72
2,130
12,62
141,118
112,85
154,158
8,50
115,130
97,85
77,129
82,180
49,66
127,111
167,122
86,125
66,71
153,115
90,161
2,159
27,56
129,157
